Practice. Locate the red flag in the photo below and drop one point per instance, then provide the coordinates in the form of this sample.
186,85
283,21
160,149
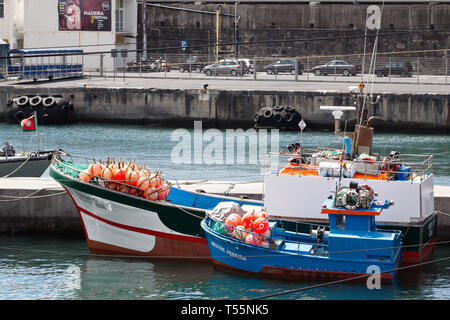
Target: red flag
29,124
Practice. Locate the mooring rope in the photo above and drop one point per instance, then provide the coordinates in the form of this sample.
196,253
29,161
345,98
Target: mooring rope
30,196
23,163
347,279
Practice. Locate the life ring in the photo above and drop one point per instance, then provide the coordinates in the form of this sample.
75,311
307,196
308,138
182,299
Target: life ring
20,115
48,102
350,204
278,108
267,113
35,101
288,116
288,108
21,101
277,117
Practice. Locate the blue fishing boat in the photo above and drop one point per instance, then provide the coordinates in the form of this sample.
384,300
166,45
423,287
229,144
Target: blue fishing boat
350,246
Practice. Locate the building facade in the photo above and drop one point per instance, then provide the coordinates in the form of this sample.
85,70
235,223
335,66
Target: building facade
92,25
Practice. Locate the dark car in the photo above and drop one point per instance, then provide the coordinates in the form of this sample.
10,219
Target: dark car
192,63
284,65
233,68
142,65
404,69
336,67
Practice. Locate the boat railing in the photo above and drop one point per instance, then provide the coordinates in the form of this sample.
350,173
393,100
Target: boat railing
73,172
29,144
309,162
257,239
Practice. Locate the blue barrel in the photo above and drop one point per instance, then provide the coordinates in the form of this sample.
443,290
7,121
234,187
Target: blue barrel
403,172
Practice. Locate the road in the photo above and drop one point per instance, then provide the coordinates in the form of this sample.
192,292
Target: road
307,82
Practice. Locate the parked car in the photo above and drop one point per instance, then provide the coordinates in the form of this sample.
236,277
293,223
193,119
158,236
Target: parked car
404,69
233,68
336,67
283,65
142,65
249,64
192,63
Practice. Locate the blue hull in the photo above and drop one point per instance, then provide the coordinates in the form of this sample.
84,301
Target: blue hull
235,255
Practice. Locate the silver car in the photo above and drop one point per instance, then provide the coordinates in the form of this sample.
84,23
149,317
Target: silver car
226,67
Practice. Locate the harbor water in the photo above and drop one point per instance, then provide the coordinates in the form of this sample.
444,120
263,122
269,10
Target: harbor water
48,267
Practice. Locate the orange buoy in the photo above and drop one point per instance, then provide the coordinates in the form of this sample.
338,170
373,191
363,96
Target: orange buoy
253,239
153,181
248,219
95,169
152,194
133,191
85,176
260,214
260,225
233,220
123,188
131,177
107,173
118,175
161,194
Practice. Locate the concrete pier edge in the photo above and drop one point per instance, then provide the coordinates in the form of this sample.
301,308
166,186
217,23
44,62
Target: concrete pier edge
50,210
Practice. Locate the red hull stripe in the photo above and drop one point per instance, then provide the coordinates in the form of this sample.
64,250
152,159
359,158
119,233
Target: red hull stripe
136,229
413,257
329,273
145,231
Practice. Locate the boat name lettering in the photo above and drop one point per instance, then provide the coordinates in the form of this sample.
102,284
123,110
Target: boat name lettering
215,245
228,252
99,203
235,255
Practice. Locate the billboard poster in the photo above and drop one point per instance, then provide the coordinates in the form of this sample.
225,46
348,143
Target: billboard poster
84,15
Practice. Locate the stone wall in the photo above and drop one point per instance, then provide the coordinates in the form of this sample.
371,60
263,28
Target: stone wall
278,21
236,108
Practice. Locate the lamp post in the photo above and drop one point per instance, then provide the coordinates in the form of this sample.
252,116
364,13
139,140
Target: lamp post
218,9
302,126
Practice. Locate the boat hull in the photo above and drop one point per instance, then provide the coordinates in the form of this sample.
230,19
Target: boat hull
175,231
119,224
237,256
418,239
19,166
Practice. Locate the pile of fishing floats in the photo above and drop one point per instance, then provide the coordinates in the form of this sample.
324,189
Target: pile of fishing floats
252,228
127,178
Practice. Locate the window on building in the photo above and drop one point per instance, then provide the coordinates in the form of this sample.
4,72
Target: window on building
119,15
2,8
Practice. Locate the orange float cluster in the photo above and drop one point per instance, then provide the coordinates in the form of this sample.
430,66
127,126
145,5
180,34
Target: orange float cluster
127,178
252,227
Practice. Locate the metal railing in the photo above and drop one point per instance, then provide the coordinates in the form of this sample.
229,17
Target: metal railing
63,167
428,66
406,167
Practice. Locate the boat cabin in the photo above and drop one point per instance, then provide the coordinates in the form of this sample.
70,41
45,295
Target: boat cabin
353,232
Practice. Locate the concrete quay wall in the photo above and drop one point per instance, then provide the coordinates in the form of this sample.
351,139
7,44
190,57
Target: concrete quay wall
41,205
227,108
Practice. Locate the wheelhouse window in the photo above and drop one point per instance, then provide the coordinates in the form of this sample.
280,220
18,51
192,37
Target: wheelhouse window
119,15
340,222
